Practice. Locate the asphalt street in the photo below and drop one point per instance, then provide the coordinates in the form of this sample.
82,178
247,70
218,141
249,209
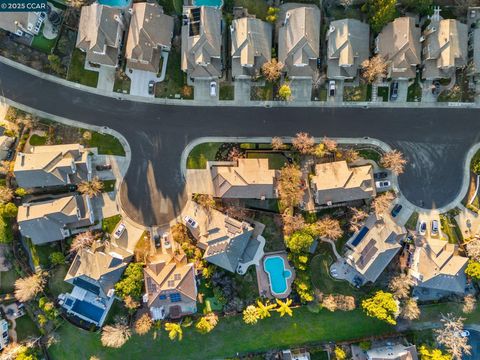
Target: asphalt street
434,141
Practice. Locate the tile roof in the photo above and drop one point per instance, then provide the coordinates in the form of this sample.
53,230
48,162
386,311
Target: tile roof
21,20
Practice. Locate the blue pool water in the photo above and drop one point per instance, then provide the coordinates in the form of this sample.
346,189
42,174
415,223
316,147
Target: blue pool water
115,3
88,310
274,266
213,3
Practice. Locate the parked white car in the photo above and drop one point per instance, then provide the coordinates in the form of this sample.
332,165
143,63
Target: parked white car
383,184
422,228
190,222
213,89
434,228
119,232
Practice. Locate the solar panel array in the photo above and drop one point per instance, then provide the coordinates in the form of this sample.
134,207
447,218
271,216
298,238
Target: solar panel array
175,297
194,26
367,253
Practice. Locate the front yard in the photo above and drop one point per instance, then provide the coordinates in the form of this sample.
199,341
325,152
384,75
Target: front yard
109,224
356,93
175,83
200,154
77,73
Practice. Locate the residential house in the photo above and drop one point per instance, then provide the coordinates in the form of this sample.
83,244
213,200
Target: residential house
475,45
299,39
55,219
296,354
50,166
170,285
399,45
444,48
338,183
393,352
93,274
348,48
100,33
227,242
202,42
437,269
3,333
22,23
372,248
150,34
251,46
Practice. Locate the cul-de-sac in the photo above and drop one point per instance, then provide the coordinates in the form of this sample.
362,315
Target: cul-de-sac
240,179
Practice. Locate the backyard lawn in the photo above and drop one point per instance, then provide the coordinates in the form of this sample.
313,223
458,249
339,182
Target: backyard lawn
273,232
77,73
231,336
200,154
109,224
55,281
7,279
43,44
276,161
26,328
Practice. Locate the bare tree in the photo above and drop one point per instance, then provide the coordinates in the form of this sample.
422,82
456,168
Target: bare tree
272,70
374,68
330,145
130,303
381,204
292,223
304,143
235,153
5,167
91,188
469,304
449,336
77,4
394,161
350,155
357,218
6,194
143,324
329,228
205,201
289,186
400,286
410,310
28,287
329,303
473,249
82,240
115,336
277,143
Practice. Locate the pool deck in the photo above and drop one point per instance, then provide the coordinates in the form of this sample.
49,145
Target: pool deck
264,282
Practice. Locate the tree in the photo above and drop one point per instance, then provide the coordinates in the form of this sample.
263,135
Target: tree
381,204
330,145
82,241
303,286
143,324
8,210
174,331
473,269
131,304
329,303
410,310
422,7
350,155
180,233
285,92
272,14
20,192
235,153
473,249
328,227
304,143
272,70
6,194
381,306
132,281
449,336
380,13
91,188
339,353
55,63
28,287
394,161
469,304
346,3
205,201
207,323
289,185
432,354
263,310
357,218
292,223
57,258
76,3
284,307
277,143
319,150
299,241
116,335
374,68
400,286
250,315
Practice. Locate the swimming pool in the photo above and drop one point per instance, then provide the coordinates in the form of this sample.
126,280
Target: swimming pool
213,3
277,273
115,3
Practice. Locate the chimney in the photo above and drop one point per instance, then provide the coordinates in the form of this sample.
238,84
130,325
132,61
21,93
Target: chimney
331,29
130,11
119,19
287,16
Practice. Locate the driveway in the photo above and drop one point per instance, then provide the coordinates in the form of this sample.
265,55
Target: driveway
301,89
201,90
139,82
402,90
474,341
242,90
434,141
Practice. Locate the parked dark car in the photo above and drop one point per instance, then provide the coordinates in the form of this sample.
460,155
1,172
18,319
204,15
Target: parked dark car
9,154
396,210
394,91
436,88
380,175
103,167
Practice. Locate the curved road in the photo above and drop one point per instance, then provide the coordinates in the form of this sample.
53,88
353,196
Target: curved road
435,141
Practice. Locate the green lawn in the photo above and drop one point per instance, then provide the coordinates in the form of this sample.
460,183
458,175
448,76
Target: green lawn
414,92
226,92
383,93
262,93
255,7
175,83
451,229
355,93
106,144
37,140
108,185
109,224
7,281
276,161
200,154
273,232
26,328
122,85
370,154
231,336
77,73
411,223
43,44
55,282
